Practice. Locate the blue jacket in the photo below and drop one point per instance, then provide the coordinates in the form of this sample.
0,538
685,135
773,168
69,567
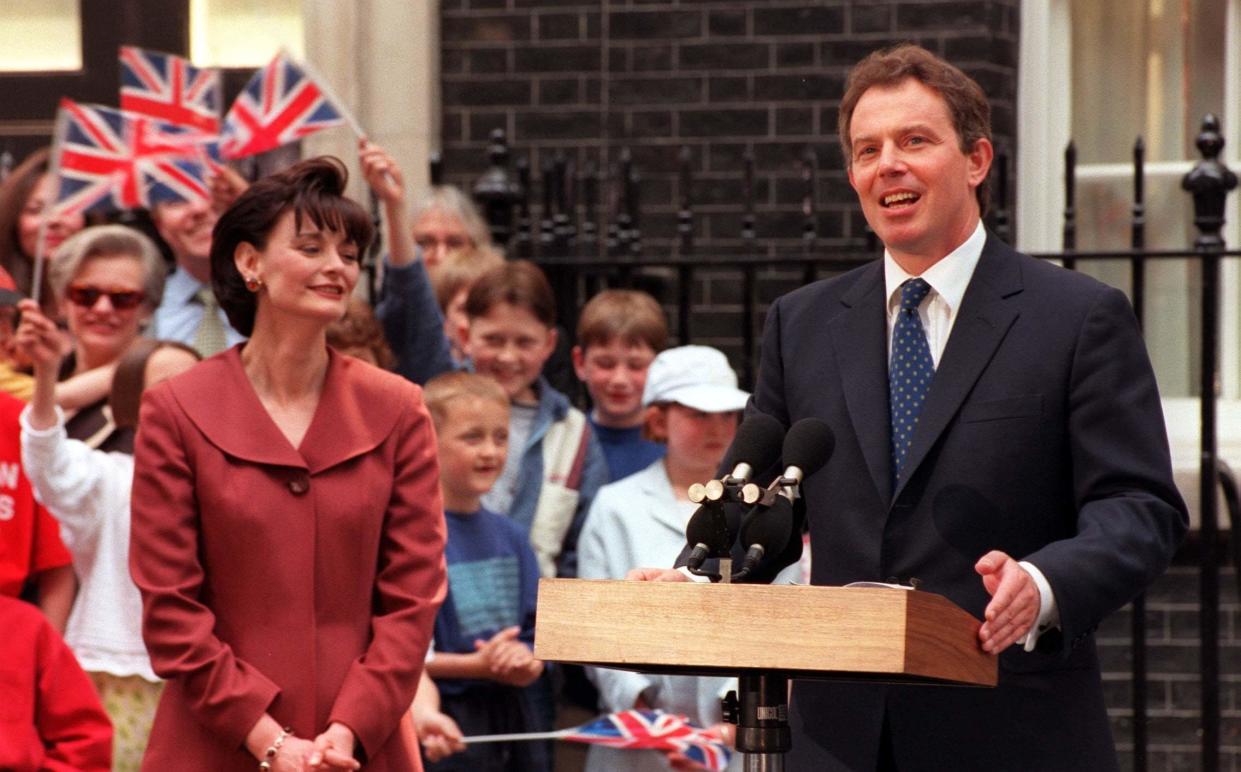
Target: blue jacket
412,322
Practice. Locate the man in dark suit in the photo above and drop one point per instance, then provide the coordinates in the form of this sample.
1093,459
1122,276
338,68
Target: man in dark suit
999,439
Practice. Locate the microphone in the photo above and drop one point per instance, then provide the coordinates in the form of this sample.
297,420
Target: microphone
769,526
807,448
713,527
756,443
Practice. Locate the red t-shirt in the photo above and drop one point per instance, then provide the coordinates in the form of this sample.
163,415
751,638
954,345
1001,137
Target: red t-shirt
29,535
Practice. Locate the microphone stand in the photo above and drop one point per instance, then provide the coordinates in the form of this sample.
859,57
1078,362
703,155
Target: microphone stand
761,718
761,714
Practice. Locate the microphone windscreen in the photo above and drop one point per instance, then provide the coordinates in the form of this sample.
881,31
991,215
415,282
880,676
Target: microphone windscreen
808,445
709,526
769,526
756,443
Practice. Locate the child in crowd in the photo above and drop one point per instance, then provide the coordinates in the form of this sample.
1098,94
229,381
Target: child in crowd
30,545
484,632
555,465
618,334
438,735
89,493
692,405
360,335
51,718
451,281
12,379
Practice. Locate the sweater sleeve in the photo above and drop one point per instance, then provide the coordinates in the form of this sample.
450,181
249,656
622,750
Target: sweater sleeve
70,478
412,322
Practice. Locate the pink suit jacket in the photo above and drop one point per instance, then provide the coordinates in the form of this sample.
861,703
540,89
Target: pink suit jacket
301,582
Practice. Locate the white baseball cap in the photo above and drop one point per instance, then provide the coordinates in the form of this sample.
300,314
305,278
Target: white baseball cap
697,377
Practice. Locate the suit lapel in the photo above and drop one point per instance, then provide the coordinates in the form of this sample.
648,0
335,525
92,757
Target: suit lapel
985,317
859,336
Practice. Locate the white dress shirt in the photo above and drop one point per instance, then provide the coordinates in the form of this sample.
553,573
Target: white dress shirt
948,278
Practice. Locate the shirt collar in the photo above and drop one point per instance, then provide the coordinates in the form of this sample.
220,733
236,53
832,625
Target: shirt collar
180,287
948,277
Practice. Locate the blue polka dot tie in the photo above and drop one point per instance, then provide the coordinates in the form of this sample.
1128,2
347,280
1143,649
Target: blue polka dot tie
909,373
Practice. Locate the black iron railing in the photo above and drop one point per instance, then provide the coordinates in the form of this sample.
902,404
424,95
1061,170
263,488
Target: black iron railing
581,256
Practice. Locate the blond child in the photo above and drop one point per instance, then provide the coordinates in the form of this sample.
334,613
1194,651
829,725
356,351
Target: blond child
484,632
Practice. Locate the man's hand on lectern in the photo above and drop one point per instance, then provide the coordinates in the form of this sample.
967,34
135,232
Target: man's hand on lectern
656,575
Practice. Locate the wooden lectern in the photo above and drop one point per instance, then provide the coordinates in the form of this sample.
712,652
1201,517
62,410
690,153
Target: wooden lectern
765,634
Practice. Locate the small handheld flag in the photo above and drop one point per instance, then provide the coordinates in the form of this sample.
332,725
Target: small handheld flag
672,734
282,103
112,159
169,88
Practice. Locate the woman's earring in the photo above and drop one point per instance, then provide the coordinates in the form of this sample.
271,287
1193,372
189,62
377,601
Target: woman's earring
253,283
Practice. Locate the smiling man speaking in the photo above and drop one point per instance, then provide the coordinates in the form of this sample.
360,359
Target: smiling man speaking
999,439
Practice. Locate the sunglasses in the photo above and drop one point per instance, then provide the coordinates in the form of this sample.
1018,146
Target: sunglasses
87,296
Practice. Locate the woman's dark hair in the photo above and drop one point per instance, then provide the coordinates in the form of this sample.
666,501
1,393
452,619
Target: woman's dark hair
13,194
314,188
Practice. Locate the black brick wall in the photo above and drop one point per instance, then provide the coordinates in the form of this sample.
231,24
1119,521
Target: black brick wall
589,77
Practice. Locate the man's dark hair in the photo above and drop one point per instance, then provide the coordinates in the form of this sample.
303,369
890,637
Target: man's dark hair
889,67
314,188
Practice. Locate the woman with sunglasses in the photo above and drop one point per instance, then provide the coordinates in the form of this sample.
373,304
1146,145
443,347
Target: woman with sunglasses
106,281
288,532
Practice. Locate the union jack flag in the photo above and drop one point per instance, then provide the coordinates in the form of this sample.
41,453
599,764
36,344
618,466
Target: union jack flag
111,159
655,730
281,104
169,88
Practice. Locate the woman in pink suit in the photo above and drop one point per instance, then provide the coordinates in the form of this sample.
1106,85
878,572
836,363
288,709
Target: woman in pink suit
288,533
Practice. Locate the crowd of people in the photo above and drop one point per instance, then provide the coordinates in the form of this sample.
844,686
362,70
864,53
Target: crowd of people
288,556
255,540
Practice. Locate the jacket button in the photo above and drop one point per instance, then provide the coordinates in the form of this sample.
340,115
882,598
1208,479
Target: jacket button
299,484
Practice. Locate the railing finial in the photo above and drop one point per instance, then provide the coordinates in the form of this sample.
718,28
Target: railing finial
1209,182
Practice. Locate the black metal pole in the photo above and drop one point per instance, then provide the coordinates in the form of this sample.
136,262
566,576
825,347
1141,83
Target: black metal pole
1209,182
762,717
685,217
1138,621
810,227
1069,237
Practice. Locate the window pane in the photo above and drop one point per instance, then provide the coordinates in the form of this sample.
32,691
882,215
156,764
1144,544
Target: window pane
1149,67
1172,286
40,35
243,33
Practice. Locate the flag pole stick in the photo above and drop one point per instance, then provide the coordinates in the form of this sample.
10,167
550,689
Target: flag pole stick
332,97
503,738
49,208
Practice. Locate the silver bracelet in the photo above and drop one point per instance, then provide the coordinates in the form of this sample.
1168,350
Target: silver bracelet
269,755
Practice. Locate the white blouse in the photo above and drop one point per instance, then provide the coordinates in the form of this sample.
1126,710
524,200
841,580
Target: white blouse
88,492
